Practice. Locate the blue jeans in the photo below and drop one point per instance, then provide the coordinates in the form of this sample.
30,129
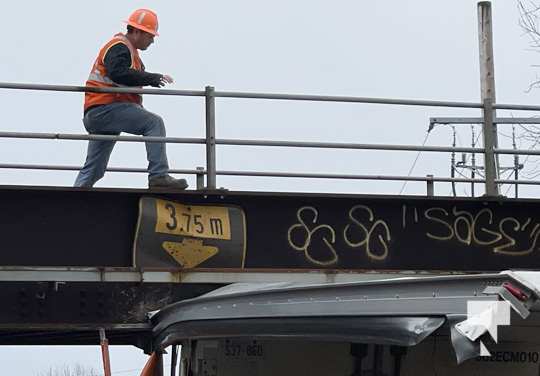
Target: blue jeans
112,119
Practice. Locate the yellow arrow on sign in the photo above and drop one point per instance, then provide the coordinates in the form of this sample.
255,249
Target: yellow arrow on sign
190,253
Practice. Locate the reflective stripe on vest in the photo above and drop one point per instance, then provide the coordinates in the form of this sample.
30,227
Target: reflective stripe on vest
96,76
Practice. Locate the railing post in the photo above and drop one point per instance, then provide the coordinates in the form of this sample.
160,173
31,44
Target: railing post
430,185
200,178
210,138
487,86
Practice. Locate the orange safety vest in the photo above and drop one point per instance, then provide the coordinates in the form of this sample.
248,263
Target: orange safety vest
98,76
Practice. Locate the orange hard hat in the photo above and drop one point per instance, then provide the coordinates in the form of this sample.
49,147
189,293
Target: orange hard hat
145,20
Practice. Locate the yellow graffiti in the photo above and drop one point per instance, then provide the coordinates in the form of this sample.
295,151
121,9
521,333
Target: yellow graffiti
365,231
368,233
308,235
471,229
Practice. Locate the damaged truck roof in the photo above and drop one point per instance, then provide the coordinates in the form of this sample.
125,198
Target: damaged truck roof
399,311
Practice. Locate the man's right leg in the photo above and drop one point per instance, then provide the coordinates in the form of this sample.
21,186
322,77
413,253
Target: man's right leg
134,119
131,118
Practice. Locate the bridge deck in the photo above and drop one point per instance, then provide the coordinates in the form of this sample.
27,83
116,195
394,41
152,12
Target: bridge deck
75,260
47,226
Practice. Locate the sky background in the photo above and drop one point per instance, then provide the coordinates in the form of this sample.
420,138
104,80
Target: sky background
413,49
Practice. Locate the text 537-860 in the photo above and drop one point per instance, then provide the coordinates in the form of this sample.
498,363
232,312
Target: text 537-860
188,220
238,349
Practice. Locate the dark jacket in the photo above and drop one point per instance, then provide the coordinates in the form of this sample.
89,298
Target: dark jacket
118,62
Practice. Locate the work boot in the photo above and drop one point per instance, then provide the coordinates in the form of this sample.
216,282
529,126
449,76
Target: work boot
167,181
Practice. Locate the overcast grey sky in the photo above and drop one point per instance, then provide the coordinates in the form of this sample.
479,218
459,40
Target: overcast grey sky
402,49
416,49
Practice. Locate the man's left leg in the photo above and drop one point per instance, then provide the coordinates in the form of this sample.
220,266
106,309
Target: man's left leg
97,159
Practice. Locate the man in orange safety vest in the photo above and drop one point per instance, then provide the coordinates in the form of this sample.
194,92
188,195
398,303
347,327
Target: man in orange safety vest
119,64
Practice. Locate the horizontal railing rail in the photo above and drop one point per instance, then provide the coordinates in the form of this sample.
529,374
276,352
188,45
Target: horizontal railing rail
201,171
238,142
82,89
337,145
242,95
268,143
100,137
210,141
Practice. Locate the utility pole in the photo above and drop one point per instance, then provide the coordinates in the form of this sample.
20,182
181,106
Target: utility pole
473,160
487,85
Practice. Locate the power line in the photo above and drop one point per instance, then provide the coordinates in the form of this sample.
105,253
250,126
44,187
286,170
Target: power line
414,163
475,142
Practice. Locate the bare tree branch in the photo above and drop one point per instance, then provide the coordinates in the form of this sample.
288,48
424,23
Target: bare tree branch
65,370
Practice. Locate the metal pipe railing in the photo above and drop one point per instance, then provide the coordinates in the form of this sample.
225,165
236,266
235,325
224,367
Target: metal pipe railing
237,142
100,137
517,182
210,140
24,166
83,89
210,104
267,143
346,176
518,107
200,171
243,95
346,99
517,151
479,120
353,146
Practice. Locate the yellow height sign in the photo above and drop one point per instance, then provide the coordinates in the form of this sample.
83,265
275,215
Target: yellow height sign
211,222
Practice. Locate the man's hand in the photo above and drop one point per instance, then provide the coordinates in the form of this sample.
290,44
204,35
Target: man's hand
161,80
165,79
